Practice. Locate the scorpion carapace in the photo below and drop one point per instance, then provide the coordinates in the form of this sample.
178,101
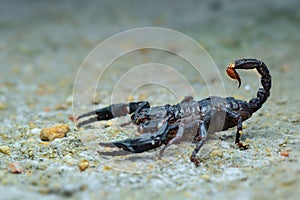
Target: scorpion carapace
168,124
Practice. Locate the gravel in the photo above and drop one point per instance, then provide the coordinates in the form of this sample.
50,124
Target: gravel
44,43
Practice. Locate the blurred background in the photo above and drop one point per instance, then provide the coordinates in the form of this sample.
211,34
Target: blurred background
43,44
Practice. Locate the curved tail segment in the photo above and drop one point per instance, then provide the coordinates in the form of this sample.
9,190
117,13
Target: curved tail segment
262,93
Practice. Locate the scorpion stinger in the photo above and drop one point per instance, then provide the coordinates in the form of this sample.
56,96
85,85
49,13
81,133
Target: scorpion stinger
266,81
168,124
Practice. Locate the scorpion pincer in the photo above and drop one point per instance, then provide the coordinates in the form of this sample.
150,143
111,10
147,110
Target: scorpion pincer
166,125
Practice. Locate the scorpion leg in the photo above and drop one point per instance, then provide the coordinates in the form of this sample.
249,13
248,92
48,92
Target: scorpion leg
112,111
186,126
237,118
202,136
177,138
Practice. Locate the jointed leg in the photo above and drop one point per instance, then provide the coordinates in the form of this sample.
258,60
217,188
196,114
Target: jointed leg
186,126
177,138
202,136
238,118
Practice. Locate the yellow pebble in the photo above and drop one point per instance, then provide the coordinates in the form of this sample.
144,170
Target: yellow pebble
269,154
83,164
268,149
44,143
106,168
247,140
217,153
5,150
57,131
205,177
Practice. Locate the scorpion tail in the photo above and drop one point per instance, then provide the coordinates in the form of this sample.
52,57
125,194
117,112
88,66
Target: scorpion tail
262,93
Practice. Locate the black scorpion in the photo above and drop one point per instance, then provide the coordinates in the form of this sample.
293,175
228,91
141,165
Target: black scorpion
167,124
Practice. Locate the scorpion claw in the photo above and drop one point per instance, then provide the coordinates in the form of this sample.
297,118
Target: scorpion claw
231,72
138,145
143,143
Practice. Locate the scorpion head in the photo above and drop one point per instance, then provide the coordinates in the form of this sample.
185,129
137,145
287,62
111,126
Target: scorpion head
138,118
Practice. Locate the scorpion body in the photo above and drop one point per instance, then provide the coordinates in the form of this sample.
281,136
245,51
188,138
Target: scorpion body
168,124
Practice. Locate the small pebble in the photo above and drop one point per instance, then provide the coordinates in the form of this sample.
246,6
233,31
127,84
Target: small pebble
216,153
83,164
57,131
5,150
205,177
284,153
248,140
4,136
61,107
106,168
15,168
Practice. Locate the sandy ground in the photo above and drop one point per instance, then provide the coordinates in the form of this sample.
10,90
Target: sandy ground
44,43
